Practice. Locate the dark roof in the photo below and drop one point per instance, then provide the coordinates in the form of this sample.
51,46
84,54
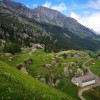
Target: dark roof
87,77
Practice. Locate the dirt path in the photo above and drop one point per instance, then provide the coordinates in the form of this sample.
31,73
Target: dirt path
33,50
81,90
84,64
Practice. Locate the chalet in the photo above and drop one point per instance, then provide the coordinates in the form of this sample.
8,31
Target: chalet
38,46
84,80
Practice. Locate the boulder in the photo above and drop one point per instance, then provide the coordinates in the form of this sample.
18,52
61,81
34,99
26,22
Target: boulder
79,72
65,73
28,62
14,58
23,69
8,54
19,66
47,66
43,80
54,63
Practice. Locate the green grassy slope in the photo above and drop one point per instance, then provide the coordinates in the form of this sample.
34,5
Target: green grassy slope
41,58
94,65
15,85
93,94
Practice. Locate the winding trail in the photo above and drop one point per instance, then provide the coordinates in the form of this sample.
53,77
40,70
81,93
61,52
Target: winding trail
33,50
84,64
81,90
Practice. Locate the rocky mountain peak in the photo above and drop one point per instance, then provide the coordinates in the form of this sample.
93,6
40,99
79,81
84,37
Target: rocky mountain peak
50,13
44,14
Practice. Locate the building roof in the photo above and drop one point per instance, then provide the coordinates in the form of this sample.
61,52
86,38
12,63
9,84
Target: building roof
87,77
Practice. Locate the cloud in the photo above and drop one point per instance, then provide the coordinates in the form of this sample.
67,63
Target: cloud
35,5
92,21
59,7
28,6
86,13
47,4
94,4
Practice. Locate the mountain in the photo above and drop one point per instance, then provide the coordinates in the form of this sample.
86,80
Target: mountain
25,26
43,14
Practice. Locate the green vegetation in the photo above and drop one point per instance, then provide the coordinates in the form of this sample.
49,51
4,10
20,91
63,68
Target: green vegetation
94,65
15,85
20,29
93,94
69,89
52,65
12,48
93,54
41,60
48,66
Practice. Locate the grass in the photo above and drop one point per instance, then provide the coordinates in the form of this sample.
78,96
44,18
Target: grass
15,85
94,67
41,58
92,94
70,90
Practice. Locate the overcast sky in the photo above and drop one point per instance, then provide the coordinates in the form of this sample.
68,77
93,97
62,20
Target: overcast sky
87,12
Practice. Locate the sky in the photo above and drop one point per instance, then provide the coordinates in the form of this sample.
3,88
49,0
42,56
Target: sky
86,12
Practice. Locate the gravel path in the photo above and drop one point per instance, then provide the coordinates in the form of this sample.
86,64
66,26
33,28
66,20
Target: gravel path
84,64
81,90
33,50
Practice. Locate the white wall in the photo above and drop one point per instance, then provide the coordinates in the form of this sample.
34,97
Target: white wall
87,83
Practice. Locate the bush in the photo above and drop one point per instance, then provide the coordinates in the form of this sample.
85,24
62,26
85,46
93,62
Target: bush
12,48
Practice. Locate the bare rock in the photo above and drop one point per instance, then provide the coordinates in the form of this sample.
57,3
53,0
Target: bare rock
23,69
43,80
47,66
79,72
19,66
14,58
8,54
65,73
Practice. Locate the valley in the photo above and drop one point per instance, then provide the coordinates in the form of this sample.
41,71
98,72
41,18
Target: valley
46,55
53,69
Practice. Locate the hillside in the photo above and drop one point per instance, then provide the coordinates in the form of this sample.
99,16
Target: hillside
21,24
41,50
15,85
54,69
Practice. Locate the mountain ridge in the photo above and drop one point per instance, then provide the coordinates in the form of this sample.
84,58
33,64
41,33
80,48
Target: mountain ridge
56,18
47,15
75,36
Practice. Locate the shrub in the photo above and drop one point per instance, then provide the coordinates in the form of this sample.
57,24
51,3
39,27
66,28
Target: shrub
12,48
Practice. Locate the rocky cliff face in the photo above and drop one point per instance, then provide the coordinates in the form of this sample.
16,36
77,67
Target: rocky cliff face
53,17
43,14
